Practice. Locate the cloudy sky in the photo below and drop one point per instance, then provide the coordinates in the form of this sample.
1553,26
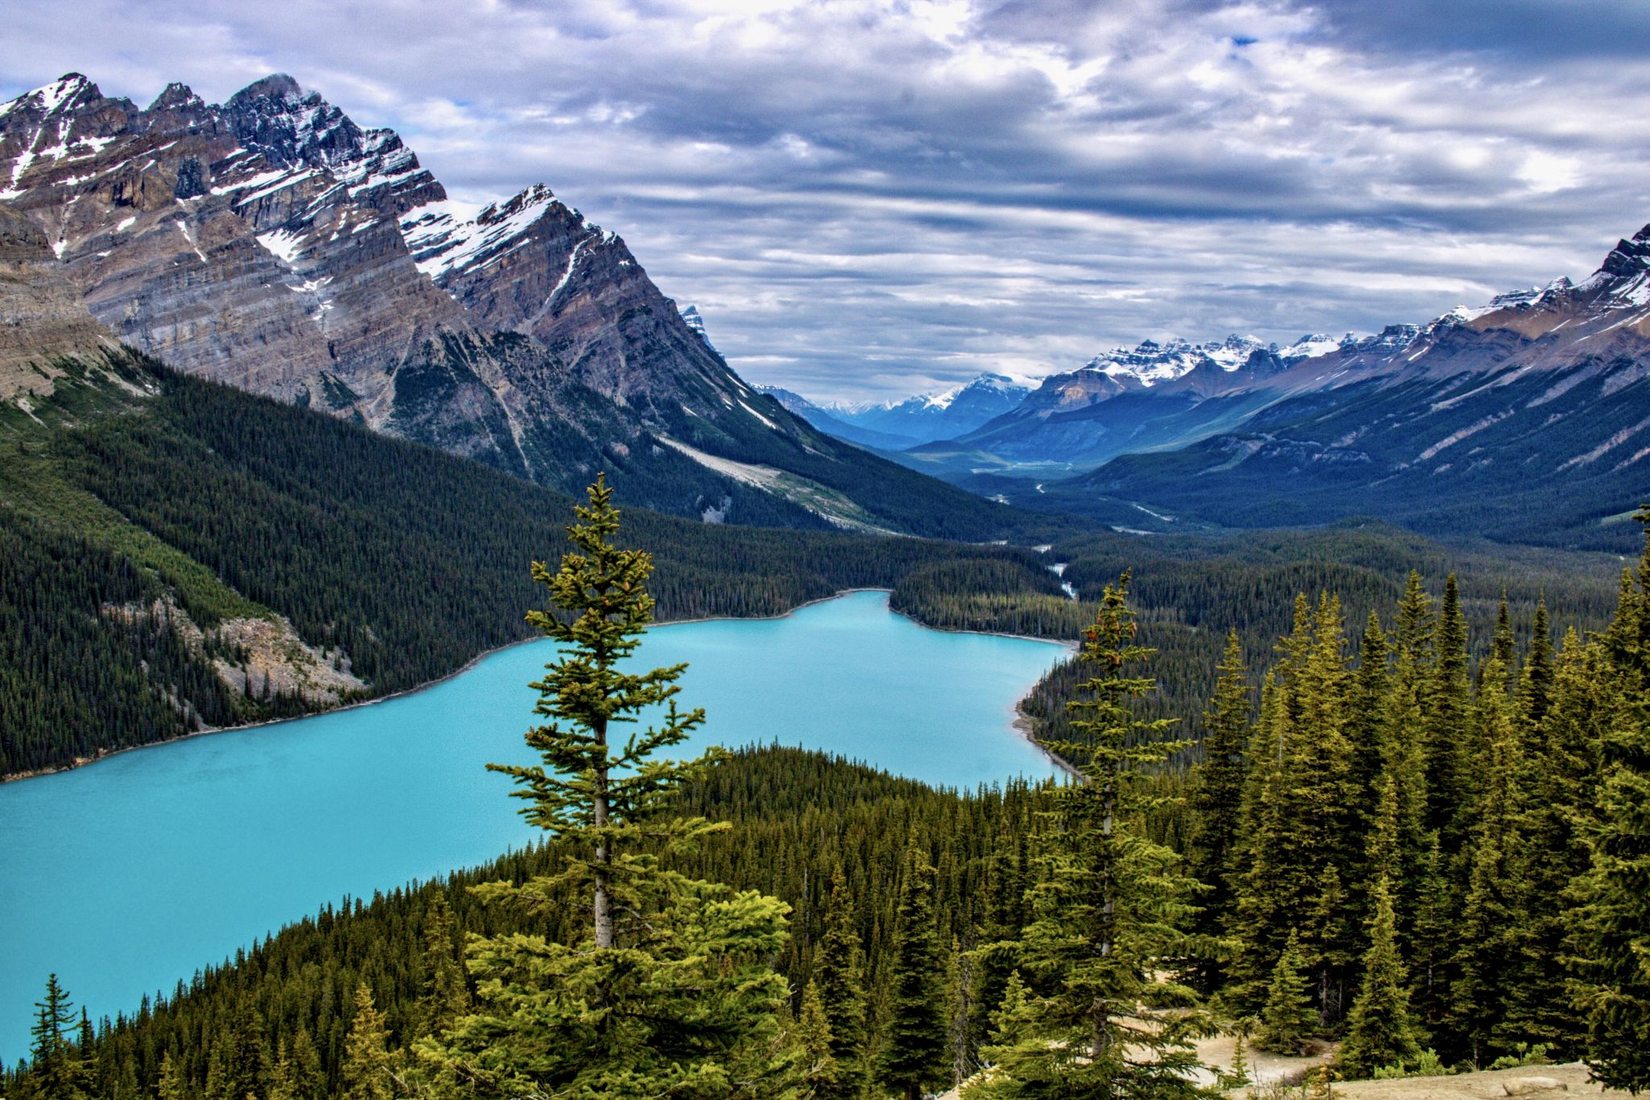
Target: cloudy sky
876,197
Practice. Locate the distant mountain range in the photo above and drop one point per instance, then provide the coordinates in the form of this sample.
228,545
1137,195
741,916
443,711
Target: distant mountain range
1525,420
898,425
272,244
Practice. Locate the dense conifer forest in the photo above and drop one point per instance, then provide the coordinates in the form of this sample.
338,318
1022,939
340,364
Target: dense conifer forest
204,503
1433,852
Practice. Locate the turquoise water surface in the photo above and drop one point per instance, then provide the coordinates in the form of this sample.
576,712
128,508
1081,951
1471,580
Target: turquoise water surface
125,876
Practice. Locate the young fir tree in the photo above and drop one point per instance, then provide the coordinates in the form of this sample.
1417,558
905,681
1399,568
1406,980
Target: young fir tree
1107,910
820,1073
1380,1030
368,1066
1290,1016
1613,938
912,1057
671,990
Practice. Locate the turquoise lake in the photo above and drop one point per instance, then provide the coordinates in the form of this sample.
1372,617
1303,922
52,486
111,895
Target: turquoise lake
125,876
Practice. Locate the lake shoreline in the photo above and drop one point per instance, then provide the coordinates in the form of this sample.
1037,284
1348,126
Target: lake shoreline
80,762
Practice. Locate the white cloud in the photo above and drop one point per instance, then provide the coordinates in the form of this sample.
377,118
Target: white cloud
857,190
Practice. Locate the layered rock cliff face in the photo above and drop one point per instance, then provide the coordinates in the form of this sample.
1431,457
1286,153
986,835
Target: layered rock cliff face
272,244
43,321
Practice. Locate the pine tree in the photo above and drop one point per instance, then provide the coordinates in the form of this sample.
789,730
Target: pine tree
840,981
1535,684
1108,907
1487,960
1217,802
1380,1031
1447,747
998,955
1562,777
671,991
1366,712
173,1085
244,1065
912,1057
445,995
368,1069
1613,937
1303,845
820,1077
58,1072
307,1079
1290,1016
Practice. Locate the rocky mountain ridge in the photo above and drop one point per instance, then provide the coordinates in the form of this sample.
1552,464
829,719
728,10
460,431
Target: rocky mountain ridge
273,244
908,422
1527,419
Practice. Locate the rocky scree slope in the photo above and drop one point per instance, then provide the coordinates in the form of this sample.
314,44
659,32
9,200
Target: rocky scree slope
272,244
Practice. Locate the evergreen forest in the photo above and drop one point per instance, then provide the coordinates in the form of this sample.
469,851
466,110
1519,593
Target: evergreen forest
1398,831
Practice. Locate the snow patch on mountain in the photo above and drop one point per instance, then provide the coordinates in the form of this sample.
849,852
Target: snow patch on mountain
446,236
283,244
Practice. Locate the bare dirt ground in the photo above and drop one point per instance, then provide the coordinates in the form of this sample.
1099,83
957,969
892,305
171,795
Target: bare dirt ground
1271,1071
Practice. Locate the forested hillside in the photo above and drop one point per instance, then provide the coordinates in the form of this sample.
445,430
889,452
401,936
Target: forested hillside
180,554
1434,858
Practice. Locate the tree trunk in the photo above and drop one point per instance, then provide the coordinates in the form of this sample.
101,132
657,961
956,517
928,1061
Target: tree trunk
604,855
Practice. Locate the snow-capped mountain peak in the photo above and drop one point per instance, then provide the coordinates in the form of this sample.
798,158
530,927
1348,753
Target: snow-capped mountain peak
696,321
1150,363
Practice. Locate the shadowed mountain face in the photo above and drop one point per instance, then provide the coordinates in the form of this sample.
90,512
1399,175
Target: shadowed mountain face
272,244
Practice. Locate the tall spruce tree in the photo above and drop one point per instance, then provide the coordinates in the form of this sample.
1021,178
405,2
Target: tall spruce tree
1613,938
912,1057
1448,748
1380,1031
1487,960
1217,802
1535,683
1109,907
1303,846
671,991
445,997
58,1070
1554,854
839,978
